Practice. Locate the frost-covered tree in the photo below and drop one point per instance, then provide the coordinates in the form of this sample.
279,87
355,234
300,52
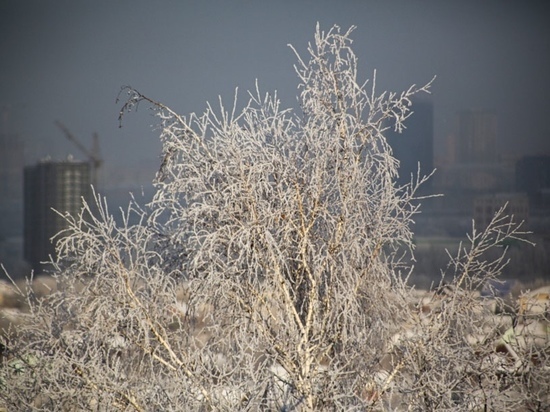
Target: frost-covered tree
268,273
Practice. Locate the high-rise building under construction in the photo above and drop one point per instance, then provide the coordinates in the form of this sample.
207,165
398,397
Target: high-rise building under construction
47,186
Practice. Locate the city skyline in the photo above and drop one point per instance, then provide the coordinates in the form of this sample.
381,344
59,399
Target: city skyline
67,61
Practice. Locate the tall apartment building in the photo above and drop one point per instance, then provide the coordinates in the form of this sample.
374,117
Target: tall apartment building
473,166
51,185
476,137
416,143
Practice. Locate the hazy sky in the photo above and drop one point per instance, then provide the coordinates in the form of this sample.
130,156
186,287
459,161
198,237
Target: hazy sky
67,60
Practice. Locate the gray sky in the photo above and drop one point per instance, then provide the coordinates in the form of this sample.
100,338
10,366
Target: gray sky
67,60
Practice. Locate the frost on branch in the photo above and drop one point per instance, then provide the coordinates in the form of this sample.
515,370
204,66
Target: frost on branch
266,274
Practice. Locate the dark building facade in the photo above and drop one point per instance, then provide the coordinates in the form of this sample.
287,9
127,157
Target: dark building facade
533,178
11,179
416,143
51,185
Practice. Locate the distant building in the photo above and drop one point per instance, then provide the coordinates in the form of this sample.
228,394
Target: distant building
51,185
462,183
476,137
533,178
473,166
485,207
11,183
416,143
476,178
450,156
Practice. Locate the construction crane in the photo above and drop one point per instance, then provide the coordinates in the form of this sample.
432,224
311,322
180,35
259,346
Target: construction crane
93,154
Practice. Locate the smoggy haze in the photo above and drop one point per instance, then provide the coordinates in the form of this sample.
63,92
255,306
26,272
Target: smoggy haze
67,60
